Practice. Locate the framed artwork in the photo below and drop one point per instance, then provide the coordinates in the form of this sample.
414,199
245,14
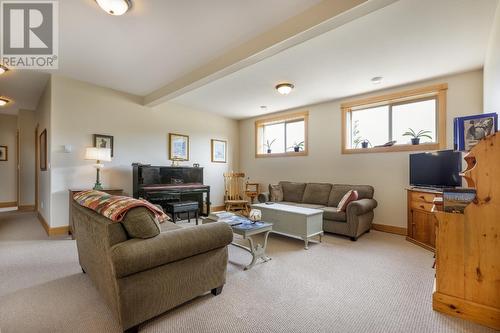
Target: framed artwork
178,147
4,153
104,141
219,151
467,131
43,150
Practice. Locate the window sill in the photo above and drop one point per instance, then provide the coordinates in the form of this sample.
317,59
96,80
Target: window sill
395,148
288,154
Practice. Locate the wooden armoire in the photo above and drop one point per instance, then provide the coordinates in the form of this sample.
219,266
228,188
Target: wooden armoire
467,281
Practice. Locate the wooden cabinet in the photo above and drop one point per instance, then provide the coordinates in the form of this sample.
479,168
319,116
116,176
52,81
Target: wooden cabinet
468,245
421,220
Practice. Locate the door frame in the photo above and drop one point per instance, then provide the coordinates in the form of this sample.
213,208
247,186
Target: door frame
36,167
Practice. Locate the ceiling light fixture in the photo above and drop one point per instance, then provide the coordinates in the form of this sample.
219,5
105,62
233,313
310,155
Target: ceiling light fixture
115,7
4,101
377,80
3,69
284,88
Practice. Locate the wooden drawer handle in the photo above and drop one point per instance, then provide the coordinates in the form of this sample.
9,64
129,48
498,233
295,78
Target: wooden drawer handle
422,197
422,206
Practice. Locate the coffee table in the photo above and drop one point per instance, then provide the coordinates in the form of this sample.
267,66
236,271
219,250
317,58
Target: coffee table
293,221
246,228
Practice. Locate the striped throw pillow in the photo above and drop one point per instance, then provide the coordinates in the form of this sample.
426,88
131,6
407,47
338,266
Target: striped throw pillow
346,199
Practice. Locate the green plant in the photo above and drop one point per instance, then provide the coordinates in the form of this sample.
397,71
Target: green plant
297,146
269,144
356,138
418,135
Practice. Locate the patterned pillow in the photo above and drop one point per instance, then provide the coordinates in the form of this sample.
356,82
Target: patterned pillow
275,193
346,199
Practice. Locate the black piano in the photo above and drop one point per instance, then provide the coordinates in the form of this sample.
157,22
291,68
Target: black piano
163,184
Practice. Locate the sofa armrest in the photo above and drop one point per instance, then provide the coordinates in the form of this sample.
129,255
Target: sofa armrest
263,197
360,207
137,255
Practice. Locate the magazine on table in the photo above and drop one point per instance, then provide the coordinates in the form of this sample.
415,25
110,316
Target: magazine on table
456,199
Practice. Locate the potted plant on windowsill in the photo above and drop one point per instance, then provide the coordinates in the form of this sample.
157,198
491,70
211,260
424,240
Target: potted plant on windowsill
268,145
297,146
415,136
364,143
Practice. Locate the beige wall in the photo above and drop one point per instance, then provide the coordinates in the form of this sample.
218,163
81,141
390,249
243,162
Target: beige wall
26,122
140,135
8,176
387,172
492,69
43,119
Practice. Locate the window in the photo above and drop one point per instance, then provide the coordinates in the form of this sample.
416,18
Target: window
284,135
369,124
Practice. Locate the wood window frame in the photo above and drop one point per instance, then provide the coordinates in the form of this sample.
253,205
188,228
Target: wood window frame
437,91
282,118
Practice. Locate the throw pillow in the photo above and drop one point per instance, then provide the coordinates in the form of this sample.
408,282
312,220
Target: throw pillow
346,199
139,222
275,193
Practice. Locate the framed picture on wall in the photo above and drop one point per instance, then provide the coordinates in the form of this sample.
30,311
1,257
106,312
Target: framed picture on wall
469,130
4,153
219,151
43,150
104,141
178,147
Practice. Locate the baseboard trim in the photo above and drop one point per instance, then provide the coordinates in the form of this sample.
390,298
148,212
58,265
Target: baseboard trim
217,208
52,231
26,208
390,229
8,204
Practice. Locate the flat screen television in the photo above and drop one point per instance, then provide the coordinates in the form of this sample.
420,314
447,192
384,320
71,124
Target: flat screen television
436,169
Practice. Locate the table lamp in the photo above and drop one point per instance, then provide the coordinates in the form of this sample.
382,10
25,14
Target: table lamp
100,155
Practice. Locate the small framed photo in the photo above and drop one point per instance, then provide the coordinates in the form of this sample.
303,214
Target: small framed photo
219,151
178,147
4,153
469,130
104,141
43,150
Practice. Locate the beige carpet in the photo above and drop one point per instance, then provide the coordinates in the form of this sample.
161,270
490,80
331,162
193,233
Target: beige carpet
379,284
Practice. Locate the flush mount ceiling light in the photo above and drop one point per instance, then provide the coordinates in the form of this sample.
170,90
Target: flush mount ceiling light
115,7
284,88
3,69
377,80
4,101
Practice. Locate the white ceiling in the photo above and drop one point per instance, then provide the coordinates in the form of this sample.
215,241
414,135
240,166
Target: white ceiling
23,87
407,41
151,45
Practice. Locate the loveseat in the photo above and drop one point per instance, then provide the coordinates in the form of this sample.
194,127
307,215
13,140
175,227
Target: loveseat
142,272
353,222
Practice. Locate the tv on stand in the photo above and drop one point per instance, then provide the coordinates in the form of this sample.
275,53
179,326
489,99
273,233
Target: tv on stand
436,170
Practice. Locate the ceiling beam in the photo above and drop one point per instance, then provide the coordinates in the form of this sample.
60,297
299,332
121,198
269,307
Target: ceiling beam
320,18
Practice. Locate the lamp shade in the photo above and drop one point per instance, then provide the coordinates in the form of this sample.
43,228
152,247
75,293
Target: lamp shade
99,154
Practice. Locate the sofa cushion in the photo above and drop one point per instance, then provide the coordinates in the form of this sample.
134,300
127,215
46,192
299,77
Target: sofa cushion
275,193
334,214
317,193
349,197
139,222
306,205
339,190
293,191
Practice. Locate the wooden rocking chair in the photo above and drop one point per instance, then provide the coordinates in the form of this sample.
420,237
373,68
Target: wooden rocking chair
234,198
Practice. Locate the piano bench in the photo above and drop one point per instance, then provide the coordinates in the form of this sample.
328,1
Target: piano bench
175,208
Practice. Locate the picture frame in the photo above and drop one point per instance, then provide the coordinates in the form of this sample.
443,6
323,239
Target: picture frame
104,141
469,130
218,151
43,150
178,147
4,153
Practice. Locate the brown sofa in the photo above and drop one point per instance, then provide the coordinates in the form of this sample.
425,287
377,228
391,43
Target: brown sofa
142,277
354,222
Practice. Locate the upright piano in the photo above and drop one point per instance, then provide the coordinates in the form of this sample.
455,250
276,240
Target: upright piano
163,184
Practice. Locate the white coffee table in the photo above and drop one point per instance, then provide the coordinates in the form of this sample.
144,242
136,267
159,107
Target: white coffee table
293,221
